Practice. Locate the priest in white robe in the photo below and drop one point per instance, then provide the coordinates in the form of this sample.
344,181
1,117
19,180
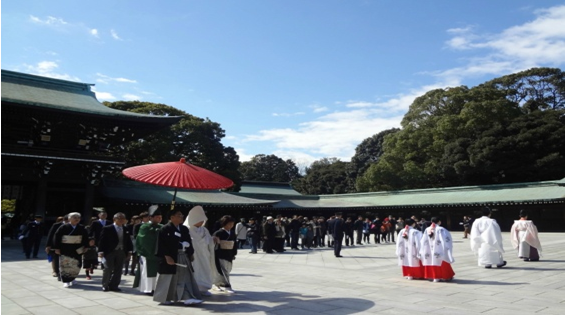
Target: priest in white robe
524,238
408,251
436,252
486,241
204,244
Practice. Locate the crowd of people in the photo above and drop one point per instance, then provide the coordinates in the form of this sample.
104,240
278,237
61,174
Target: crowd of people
426,251
182,261
178,262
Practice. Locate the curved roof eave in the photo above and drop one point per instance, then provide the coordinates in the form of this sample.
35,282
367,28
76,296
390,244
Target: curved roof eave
65,96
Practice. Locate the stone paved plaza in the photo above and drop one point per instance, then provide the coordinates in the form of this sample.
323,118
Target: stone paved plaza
366,280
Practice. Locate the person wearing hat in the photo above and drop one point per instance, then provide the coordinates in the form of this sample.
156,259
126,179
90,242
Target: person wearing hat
34,231
204,246
486,241
146,244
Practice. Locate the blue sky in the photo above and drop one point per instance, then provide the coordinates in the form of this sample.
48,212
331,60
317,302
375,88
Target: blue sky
300,79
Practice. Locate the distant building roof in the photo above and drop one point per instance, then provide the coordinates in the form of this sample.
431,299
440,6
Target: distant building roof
253,194
267,188
137,192
61,95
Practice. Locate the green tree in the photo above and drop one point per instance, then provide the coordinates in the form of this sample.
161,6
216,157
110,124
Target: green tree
325,176
269,168
505,130
196,139
367,153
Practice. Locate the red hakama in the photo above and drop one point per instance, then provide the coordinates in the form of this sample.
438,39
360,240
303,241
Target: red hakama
443,272
414,272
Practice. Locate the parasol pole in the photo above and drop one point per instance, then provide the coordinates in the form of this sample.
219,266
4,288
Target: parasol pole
173,202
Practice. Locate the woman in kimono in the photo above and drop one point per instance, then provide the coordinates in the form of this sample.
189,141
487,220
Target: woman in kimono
524,238
69,243
225,254
203,243
436,254
408,251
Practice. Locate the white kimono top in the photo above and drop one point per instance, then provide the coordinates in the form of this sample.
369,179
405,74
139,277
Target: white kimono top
408,250
436,248
203,264
525,231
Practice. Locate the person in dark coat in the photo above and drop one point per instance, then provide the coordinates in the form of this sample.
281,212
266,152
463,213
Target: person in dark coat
114,246
34,232
97,226
69,243
175,251
294,227
269,233
337,233
348,230
49,246
253,235
358,227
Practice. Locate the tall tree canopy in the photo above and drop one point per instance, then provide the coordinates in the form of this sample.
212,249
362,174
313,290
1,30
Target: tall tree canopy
510,129
325,176
269,168
196,139
366,154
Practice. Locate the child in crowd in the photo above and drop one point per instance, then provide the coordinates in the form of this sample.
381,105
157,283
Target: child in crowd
90,258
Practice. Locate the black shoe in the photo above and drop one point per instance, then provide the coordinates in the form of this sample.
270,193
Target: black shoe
105,289
132,273
116,289
526,259
488,266
503,264
338,256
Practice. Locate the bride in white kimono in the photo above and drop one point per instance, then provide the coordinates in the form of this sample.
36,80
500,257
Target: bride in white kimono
203,243
524,238
486,241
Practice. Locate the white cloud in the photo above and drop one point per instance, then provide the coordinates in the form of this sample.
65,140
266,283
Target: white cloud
131,97
94,32
243,157
540,42
48,69
333,135
48,21
115,35
103,96
102,78
287,114
318,108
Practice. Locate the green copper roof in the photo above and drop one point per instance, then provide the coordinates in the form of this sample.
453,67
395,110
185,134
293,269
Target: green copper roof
537,192
548,191
60,95
136,192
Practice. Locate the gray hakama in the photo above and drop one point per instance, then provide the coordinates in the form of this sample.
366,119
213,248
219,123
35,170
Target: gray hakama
177,287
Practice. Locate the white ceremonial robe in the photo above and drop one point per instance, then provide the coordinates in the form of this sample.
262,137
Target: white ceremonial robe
408,250
486,241
433,251
146,284
204,259
523,235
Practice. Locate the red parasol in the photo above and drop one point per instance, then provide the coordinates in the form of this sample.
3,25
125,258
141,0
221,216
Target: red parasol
178,175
